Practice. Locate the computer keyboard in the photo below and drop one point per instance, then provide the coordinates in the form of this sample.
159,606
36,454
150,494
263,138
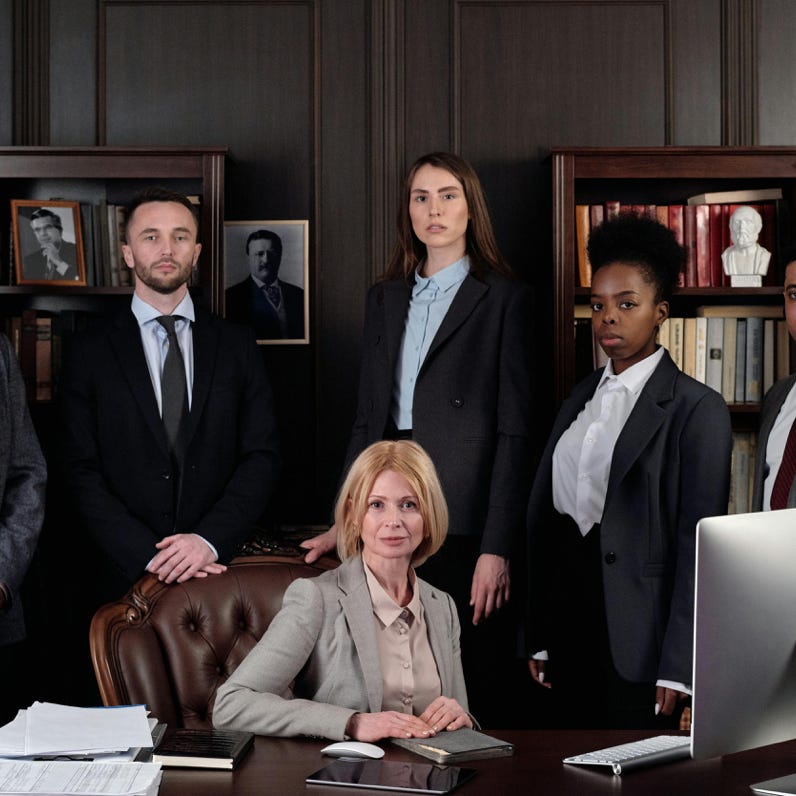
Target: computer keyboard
627,756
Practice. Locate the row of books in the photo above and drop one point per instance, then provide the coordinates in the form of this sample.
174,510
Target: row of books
739,351
102,245
37,339
702,227
739,357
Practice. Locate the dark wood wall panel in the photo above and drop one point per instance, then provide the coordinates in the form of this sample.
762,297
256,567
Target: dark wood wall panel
777,73
695,49
210,73
518,91
73,73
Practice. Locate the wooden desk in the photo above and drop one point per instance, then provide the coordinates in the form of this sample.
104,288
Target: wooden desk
279,766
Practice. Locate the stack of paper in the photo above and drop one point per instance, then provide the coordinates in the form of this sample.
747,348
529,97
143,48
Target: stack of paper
80,779
61,749
45,729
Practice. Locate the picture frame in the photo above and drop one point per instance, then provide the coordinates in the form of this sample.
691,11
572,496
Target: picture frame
275,305
48,242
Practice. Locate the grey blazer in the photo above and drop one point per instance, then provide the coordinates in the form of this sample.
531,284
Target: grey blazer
670,468
318,662
23,474
774,399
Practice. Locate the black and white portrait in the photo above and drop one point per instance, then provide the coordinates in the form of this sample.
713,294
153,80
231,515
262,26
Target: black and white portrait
266,276
48,246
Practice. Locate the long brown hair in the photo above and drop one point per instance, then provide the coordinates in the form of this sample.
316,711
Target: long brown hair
480,243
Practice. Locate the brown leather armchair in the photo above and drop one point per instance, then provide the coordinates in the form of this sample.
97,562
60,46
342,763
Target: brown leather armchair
170,647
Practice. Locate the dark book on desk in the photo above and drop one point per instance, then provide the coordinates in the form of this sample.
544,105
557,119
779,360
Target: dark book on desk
457,746
186,748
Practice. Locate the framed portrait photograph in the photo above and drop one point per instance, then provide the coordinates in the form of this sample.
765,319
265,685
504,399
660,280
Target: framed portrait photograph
266,279
48,245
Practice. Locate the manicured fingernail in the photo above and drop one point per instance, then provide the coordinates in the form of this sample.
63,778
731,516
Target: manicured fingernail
657,708
541,677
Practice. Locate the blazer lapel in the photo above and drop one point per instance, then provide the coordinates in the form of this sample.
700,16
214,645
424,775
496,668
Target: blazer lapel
644,421
205,350
435,610
770,415
467,298
125,340
358,611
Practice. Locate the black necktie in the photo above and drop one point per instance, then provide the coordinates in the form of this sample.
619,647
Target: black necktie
174,393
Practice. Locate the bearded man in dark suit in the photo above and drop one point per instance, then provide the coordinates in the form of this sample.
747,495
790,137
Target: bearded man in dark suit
164,486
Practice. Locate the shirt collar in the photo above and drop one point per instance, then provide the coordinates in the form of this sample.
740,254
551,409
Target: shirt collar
636,376
385,608
144,313
450,276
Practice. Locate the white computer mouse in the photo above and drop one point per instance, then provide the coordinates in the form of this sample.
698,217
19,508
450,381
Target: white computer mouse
353,749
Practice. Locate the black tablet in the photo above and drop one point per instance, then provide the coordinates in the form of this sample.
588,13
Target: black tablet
391,775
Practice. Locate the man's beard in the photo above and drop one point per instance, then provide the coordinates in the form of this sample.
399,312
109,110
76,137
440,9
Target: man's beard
162,284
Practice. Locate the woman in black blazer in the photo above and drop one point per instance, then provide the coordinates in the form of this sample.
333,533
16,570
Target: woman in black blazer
446,362
638,454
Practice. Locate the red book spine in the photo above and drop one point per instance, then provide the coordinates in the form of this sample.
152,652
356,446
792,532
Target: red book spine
716,237
702,221
676,226
689,241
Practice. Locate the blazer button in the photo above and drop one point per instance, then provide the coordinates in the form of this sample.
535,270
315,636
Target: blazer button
610,558
457,403
166,476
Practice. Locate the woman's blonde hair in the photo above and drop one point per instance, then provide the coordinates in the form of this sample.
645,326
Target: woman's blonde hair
414,464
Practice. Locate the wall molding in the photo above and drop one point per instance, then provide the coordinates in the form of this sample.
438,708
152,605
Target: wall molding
387,120
739,88
31,72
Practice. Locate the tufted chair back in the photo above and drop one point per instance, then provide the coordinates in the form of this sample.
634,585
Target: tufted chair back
170,647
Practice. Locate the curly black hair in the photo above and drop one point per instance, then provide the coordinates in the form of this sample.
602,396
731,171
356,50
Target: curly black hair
643,242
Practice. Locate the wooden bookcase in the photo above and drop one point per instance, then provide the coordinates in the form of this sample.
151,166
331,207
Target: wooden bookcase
116,174
654,175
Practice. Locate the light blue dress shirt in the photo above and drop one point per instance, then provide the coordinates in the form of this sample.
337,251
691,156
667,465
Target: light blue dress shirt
430,301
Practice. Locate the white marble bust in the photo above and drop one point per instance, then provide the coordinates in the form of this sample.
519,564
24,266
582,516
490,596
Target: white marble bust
746,255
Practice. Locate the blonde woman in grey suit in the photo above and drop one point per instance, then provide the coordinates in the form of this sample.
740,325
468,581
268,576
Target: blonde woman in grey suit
369,650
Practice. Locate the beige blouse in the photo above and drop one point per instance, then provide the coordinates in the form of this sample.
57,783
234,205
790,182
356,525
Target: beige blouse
408,669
